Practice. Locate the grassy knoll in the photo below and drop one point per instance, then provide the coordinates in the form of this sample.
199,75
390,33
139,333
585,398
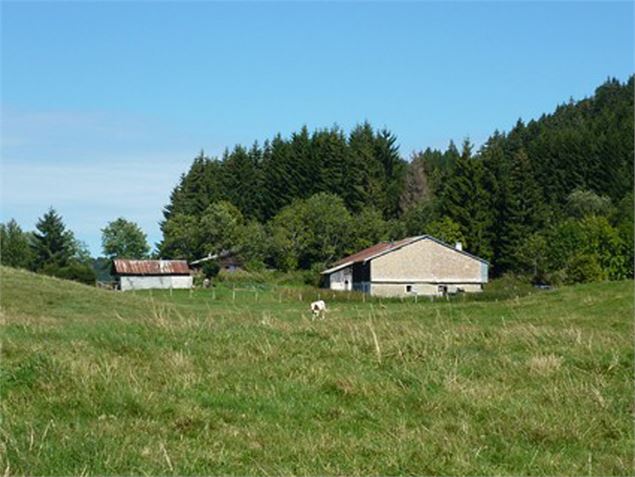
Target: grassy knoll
96,382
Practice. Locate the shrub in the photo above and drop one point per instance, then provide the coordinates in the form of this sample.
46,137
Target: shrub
255,265
584,268
210,268
76,271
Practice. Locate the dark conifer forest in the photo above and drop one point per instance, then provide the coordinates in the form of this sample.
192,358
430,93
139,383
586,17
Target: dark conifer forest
551,198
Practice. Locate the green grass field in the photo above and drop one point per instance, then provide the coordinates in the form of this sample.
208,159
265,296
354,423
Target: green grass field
97,382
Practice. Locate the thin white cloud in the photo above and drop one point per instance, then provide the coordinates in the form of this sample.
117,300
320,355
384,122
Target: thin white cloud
91,166
137,182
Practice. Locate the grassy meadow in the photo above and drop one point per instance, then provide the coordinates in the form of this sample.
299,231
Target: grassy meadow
239,381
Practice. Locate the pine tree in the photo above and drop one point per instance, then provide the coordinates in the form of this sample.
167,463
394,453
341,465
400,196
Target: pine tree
523,211
201,186
331,151
458,192
241,180
368,180
277,169
387,154
302,163
53,245
496,167
467,202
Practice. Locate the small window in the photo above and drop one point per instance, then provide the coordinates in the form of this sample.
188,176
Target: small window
408,288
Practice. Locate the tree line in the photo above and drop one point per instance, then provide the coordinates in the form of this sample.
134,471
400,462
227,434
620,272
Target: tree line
551,198
52,248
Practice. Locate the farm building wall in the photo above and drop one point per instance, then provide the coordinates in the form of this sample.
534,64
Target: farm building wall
428,268
426,261
160,281
341,279
422,289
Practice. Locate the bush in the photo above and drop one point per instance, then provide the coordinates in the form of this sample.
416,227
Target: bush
76,271
312,277
585,250
584,268
507,286
210,268
255,265
556,277
242,276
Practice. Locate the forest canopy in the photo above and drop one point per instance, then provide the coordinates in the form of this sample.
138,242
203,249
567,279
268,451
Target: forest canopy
552,198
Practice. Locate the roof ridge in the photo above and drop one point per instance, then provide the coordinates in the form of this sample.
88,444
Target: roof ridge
381,248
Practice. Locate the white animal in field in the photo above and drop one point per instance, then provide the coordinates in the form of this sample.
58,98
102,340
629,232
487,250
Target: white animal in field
319,309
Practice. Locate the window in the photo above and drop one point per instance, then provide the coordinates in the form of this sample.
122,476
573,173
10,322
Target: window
408,288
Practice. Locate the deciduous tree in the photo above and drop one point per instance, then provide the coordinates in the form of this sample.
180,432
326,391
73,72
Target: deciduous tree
124,239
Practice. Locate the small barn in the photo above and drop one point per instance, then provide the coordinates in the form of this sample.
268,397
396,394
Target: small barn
146,274
421,265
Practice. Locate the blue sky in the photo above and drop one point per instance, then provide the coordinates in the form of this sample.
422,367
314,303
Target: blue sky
104,104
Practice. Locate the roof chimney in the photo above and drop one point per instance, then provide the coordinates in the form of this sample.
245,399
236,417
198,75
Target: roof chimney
458,246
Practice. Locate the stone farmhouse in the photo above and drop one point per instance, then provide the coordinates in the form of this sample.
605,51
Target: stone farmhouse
421,265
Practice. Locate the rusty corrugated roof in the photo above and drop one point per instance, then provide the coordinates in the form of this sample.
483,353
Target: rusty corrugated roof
150,267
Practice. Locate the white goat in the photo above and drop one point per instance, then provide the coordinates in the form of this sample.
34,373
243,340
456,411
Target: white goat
319,309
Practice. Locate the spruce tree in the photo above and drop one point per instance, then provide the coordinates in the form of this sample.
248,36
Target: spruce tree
467,202
241,180
369,176
330,148
523,211
496,166
387,154
52,244
302,163
277,169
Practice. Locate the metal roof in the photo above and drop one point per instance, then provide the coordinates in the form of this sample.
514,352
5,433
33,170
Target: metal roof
383,248
150,267
369,253
215,256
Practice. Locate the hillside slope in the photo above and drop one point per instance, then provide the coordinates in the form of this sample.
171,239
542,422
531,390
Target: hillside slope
96,382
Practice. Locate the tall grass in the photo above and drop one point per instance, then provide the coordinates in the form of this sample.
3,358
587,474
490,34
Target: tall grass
239,380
